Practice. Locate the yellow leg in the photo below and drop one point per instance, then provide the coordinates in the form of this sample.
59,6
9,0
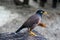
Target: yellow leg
32,33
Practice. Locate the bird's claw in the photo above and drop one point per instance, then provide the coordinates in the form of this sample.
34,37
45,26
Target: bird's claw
32,33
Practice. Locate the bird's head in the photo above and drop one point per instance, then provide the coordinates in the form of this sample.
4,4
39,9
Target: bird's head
41,12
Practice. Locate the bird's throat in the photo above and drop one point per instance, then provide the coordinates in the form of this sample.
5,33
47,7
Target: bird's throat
39,14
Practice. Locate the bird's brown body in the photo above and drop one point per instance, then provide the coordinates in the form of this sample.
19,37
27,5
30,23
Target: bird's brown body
33,20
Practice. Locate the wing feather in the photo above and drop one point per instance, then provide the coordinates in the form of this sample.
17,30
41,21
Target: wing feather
34,19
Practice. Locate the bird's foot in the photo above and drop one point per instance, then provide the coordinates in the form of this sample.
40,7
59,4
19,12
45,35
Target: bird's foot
32,33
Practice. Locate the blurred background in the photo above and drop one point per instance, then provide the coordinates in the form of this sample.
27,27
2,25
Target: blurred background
13,13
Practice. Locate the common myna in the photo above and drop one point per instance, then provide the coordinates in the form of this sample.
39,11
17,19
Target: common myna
33,21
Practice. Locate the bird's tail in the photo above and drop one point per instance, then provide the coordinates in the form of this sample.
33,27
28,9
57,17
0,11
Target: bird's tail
19,29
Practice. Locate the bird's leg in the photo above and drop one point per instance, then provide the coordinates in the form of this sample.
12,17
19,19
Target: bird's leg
42,25
32,33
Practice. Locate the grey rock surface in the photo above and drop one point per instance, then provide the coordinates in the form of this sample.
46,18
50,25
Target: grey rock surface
21,36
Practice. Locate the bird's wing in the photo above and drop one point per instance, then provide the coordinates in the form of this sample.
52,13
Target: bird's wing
31,21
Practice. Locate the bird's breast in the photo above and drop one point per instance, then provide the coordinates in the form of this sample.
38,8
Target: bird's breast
39,21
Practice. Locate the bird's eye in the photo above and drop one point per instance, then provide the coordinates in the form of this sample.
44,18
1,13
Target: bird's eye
41,12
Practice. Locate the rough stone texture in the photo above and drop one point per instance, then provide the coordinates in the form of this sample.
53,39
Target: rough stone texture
21,36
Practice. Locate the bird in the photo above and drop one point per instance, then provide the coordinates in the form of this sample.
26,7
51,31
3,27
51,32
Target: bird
32,21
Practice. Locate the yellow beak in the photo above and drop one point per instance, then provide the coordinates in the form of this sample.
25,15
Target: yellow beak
45,13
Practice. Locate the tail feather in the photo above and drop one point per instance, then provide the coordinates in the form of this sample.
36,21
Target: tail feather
19,29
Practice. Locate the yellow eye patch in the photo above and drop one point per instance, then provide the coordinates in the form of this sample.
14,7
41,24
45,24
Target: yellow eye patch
41,12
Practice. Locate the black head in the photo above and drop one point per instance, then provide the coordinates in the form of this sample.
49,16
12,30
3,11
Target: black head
41,12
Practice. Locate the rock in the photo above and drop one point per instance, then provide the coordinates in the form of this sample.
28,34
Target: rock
21,36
